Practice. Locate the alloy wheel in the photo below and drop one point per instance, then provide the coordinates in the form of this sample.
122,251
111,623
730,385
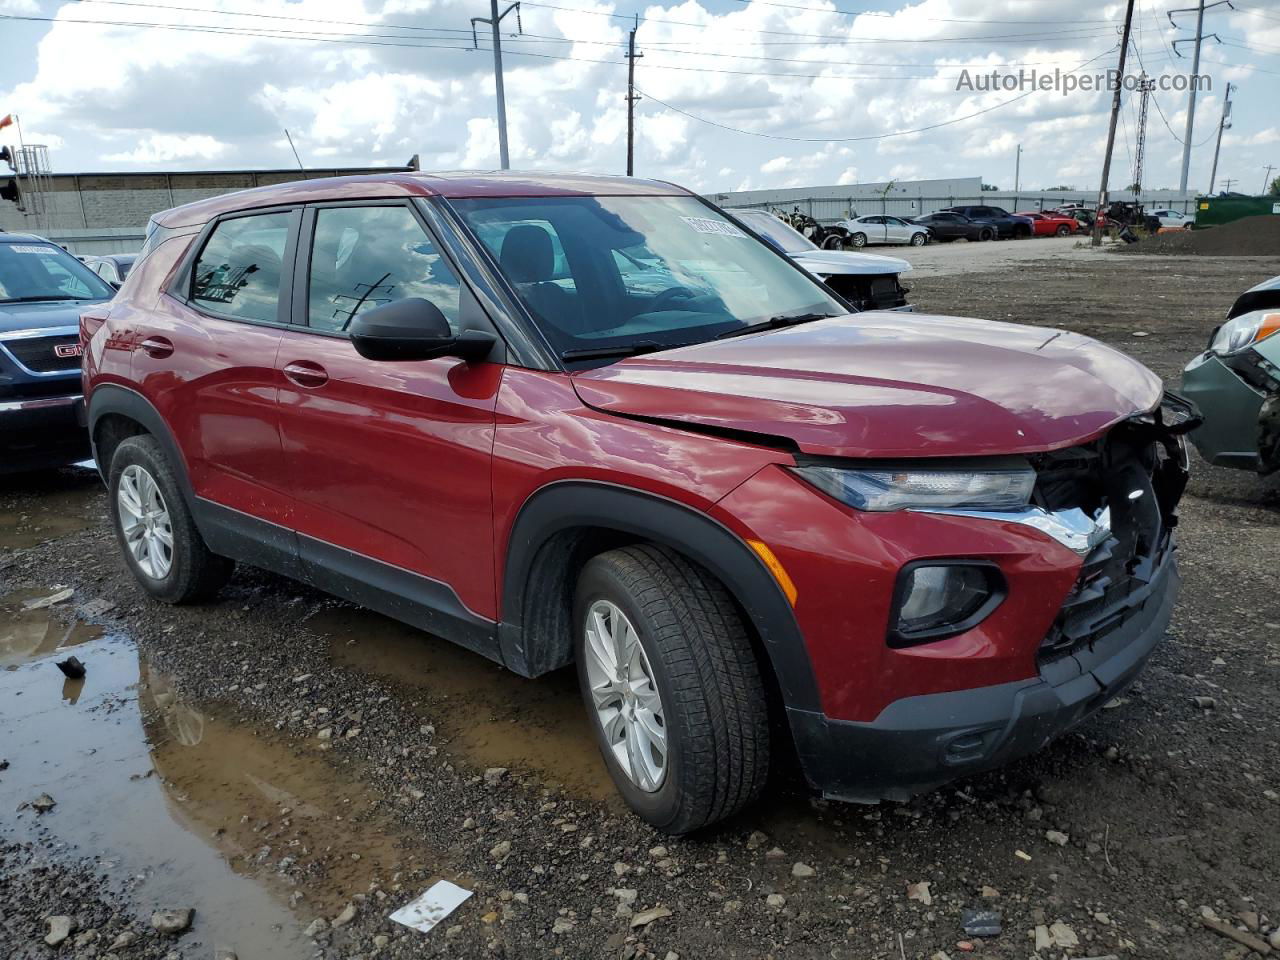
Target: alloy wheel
625,697
145,522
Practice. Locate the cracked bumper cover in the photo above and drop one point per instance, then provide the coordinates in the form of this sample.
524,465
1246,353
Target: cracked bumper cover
923,742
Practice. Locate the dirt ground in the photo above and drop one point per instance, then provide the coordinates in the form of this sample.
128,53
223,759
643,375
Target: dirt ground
294,769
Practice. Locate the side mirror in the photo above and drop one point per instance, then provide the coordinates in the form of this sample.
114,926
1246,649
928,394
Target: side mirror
414,329
115,284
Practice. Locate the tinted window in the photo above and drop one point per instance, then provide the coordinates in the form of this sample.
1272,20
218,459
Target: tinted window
239,270
363,257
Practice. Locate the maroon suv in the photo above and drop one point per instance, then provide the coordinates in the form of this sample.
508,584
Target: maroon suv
562,419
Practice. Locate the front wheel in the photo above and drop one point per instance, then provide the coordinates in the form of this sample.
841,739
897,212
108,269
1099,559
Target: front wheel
833,242
1063,230
858,240
986,235
671,683
157,536
919,239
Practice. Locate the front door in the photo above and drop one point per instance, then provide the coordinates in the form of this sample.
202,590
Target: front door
389,460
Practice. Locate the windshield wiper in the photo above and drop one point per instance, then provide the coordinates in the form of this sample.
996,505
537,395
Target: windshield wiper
774,323
619,350
61,296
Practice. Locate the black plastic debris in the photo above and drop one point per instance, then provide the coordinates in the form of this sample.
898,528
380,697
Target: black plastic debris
71,667
980,923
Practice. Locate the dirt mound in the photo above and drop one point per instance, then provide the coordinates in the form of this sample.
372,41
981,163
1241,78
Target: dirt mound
1251,237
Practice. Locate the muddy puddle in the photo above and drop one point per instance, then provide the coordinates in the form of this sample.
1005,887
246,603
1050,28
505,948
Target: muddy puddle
490,716
44,506
194,809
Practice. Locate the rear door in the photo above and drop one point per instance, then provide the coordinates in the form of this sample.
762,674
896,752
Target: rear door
389,461
204,356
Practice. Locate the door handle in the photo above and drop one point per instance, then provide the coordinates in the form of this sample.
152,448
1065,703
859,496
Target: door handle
306,374
157,347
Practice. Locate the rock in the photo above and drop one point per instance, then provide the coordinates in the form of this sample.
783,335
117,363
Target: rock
318,926
671,955
1204,703
59,929
172,922
1063,935
1250,919
621,869
625,896
346,916
562,925
757,840
1057,836
381,940
1274,939
1043,939
224,953
501,851
495,775
774,853
646,917
123,940
776,900
86,938
980,923
43,803
469,823
325,734
802,870
658,853
990,893
941,955
920,892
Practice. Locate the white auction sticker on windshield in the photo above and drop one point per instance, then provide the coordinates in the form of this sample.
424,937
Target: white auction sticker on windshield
28,248
715,228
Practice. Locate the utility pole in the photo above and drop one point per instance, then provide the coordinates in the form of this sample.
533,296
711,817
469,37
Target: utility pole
1145,86
1195,73
494,19
632,56
1017,172
1226,184
1223,124
1111,128
1266,179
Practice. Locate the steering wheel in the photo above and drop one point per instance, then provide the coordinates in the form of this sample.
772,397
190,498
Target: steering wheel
663,300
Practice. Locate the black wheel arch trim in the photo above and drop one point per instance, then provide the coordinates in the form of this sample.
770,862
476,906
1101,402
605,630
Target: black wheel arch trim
568,504
112,398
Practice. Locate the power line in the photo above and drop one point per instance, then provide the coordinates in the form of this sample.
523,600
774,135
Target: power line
874,13
881,136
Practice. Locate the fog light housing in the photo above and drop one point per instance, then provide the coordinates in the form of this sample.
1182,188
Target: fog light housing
937,599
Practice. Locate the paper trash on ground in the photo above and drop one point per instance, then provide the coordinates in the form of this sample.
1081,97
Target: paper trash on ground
432,907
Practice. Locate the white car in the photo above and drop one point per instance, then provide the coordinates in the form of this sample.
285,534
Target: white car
868,281
1172,218
884,229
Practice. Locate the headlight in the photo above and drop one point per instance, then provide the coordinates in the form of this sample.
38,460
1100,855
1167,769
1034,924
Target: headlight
923,488
1244,330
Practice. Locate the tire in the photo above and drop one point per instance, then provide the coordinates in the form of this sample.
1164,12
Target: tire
1063,231
1187,226
710,697
192,571
858,240
986,235
833,242
919,239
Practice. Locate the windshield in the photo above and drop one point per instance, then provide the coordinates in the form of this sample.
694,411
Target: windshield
31,272
784,235
600,273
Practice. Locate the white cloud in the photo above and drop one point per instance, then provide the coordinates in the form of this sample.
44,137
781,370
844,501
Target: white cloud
166,148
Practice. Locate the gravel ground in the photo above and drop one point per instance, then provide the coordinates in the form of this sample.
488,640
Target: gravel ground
1116,840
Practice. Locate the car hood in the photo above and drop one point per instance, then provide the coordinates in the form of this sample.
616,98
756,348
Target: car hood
885,385
35,316
834,262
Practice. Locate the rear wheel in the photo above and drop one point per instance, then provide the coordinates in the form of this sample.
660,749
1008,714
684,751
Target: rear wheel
672,686
157,536
858,240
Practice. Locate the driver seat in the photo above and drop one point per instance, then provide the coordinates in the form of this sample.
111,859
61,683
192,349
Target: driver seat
529,260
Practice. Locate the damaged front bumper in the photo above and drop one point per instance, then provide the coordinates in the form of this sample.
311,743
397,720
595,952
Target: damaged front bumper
1239,397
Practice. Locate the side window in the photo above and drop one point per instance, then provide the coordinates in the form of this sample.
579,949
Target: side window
66,281
239,270
364,257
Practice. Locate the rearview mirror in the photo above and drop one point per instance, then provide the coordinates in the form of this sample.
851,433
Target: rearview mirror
414,329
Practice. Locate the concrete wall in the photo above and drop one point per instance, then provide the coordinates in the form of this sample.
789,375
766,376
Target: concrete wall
99,213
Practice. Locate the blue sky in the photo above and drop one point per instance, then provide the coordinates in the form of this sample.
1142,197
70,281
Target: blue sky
740,93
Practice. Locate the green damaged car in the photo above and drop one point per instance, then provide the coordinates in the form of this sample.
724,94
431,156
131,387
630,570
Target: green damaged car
1236,384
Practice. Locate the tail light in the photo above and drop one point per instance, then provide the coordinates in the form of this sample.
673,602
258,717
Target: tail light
90,322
